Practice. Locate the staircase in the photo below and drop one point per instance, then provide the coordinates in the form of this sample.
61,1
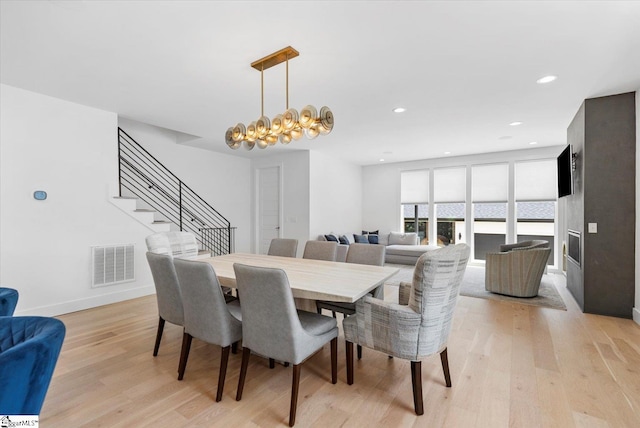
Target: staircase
155,197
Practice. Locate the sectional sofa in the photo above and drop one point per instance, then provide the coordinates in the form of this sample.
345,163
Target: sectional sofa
401,248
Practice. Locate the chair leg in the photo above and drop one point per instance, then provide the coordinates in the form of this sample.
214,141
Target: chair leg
295,383
224,359
158,336
333,313
272,363
184,354
445,367
234,348
246,353
349,348
334,360
416,380
359,350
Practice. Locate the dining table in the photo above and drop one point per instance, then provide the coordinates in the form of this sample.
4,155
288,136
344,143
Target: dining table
310,280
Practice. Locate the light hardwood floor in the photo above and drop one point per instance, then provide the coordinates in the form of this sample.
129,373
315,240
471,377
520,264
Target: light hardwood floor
512,365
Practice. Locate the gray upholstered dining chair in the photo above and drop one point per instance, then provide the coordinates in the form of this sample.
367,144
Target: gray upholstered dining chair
272,326
283,247
207,315
8,301
168,294
420,324
364,254
320,250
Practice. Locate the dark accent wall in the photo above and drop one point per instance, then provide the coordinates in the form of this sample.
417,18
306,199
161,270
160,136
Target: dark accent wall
603,135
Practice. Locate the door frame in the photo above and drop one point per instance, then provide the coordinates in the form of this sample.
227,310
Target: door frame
256,203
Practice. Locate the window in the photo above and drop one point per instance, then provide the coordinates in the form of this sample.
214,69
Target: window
489,193
449,190
415,208
535,202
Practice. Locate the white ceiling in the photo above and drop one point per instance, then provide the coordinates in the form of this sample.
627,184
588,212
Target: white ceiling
463,70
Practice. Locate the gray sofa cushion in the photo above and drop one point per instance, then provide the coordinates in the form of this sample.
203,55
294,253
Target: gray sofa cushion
396,238
409,250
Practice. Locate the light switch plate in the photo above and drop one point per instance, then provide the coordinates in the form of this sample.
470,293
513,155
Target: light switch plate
593,227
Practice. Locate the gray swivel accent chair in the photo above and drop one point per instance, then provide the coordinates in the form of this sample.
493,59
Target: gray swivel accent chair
272,327
320,250
283,247
168,293
517,269
420,324
8,301
207,316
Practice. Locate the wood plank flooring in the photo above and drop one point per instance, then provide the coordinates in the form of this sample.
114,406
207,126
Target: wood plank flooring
512,365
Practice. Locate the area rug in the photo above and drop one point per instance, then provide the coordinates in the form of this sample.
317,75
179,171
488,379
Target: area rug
473,286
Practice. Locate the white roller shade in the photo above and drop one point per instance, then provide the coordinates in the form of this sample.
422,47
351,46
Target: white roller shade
450,185
536,180
490,183
414,187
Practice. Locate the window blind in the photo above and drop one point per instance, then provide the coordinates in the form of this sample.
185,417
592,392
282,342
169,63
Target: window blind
490,183
536,180
414,187
450,185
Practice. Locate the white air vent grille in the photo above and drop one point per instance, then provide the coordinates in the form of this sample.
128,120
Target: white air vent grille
112,264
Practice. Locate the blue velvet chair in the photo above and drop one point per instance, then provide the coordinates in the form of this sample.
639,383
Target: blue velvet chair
29,349
8,301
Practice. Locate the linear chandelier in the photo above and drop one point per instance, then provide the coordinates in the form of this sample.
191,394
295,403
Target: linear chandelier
284,127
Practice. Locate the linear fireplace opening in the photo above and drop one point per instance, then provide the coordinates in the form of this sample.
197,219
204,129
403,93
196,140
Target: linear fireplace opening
573,246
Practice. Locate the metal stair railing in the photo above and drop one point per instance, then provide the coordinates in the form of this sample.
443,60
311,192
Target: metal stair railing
145,177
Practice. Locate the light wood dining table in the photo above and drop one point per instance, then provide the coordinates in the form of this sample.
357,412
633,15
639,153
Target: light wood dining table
309,279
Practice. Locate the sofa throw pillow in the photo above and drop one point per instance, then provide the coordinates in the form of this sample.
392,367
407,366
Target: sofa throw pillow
343,239
373,232
373,239
361,239
331,237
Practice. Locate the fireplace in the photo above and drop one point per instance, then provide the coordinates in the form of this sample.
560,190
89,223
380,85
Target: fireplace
573,246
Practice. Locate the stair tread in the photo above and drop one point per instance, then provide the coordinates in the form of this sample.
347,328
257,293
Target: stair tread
124,197
161,222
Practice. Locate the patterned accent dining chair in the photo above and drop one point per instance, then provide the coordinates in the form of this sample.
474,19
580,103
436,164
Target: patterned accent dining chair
320,250
283,247
207,315
8,301
181,245
272,327
420,324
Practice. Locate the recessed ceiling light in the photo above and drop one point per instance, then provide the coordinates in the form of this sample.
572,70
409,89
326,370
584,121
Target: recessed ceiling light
447,153
381,160
515,123
399,110
533,142
546,79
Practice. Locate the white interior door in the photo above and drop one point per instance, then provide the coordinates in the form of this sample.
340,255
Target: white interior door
268,207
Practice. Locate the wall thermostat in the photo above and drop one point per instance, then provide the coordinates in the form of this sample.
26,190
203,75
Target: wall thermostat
39,195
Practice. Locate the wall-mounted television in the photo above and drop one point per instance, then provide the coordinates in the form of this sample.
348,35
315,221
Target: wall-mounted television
565,172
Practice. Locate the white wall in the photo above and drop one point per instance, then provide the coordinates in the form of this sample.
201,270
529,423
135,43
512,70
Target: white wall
294,167
336,196
221,180
70,151
636,309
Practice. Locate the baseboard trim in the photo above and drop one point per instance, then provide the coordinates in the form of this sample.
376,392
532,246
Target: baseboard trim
636,315
87,303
